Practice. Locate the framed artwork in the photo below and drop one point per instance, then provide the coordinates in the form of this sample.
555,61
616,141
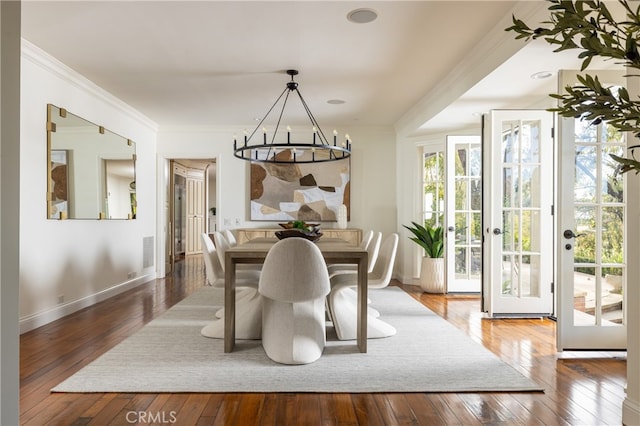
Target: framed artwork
312,192
59,184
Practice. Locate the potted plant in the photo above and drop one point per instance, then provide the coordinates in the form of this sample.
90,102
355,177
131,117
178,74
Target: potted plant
431,239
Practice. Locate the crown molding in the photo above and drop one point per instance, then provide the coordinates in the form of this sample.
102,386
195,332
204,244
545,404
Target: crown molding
39,57
491,51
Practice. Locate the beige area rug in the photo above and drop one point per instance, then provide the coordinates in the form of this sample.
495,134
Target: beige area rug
426,355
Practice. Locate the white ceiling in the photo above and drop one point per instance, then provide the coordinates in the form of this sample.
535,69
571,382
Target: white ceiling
219,62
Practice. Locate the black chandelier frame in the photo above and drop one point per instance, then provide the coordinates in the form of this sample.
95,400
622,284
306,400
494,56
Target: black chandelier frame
272,152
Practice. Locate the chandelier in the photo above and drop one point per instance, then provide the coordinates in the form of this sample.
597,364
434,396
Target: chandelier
287,149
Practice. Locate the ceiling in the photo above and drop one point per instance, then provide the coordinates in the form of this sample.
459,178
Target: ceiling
213,63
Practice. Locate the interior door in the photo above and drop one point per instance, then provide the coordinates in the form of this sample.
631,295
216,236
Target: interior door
518,202
195,211
464,214
591,240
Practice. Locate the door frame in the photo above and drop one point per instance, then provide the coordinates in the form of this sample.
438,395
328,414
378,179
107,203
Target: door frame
164,180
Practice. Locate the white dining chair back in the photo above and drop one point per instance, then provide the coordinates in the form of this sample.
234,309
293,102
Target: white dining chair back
213,271
222,245
294,283
366,239
373,250
231,239
382,271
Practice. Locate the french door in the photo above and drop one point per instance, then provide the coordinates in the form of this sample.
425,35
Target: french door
464,214
518,216
591,244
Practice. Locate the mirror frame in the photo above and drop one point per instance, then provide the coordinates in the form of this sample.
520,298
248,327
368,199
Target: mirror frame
60,167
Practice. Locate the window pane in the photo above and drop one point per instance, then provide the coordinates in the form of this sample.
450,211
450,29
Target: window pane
612,181
584,286
461,228
585,244
612,234
475,161
531,275
531,142
461,194
475,187
530,185
585,184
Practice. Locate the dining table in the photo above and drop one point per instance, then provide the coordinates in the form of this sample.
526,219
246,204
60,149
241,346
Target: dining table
334,251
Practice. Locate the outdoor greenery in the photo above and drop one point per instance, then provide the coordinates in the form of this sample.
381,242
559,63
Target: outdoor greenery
590,27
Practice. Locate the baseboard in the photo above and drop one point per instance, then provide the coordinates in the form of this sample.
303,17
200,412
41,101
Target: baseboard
630,412
38,320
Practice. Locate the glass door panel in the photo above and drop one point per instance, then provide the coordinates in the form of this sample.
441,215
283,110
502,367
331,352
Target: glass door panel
464,214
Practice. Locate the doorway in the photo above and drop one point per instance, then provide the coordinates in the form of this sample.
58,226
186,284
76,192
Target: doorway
191,207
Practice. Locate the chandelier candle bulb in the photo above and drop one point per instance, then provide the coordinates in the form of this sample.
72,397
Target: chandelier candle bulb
335,137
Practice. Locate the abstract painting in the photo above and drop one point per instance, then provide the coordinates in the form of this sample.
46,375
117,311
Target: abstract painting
304,191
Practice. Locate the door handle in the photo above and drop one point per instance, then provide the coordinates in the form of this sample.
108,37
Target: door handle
451,229
568,234
497,231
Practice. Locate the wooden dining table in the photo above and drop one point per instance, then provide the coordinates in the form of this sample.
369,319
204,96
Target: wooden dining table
255,251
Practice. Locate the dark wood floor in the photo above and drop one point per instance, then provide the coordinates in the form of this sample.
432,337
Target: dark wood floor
586,389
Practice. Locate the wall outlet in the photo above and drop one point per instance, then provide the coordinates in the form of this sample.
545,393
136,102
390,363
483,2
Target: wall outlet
61,298
131,275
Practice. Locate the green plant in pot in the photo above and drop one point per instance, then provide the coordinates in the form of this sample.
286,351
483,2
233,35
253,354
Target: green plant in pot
431,239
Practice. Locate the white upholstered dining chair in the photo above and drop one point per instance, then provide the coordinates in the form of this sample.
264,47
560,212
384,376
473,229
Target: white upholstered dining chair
248,300
343,306
294,284
372,247
231,239
222,245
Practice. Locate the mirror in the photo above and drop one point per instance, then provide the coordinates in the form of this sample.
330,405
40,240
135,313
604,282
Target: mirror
91,171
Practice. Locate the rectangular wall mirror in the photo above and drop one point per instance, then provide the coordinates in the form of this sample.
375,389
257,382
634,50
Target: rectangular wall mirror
91,171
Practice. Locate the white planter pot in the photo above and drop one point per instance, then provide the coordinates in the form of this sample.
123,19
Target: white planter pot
432,275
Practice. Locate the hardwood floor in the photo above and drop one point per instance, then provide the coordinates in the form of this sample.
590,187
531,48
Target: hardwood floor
580,389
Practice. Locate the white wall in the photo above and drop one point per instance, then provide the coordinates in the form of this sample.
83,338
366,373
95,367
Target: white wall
82,261
373,175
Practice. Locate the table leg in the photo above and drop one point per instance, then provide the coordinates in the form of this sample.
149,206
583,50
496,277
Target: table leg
362,304
229,304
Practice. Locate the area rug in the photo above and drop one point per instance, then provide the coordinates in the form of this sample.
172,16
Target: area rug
426,355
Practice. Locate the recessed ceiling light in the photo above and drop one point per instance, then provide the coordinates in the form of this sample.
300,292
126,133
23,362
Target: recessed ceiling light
362,16
335,101
542,74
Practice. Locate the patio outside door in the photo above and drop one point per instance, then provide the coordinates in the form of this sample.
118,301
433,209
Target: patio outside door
518,221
